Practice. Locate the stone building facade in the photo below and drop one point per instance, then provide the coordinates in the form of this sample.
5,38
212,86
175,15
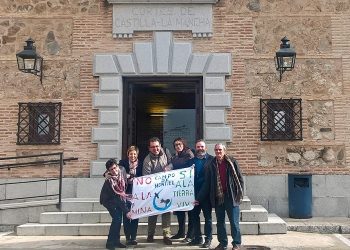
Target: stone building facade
86,62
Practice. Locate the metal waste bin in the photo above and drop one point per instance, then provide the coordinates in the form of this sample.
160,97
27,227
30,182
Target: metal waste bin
300,196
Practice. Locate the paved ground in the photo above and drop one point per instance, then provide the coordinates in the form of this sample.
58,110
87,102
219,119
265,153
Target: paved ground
291,240
316,233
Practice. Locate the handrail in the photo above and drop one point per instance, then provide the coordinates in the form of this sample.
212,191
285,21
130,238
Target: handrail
61,161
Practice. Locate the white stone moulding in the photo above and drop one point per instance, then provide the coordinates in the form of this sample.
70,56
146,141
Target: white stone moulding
161,57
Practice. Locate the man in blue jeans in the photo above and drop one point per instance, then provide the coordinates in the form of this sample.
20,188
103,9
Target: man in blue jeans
201,159
224,185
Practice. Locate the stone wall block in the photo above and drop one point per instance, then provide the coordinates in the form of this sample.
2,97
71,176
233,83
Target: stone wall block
181,55
126,64
97,168
217,100
220,64
197,63
22,190
144,56
214,116
105,134
105,100
220,133
214,83
109,117
106,151
110,83
330,206
162,45
104,64
269,30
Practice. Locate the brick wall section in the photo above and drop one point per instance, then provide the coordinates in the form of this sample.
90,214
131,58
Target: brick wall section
234,31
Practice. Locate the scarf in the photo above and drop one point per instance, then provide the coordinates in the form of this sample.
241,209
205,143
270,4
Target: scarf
219,191
132,167
117,183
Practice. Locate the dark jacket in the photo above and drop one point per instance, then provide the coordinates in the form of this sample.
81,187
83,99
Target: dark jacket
125,164
199,170
111,200
235,186
180,160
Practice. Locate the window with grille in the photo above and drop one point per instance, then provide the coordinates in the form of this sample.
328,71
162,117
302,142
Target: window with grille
39,123
280,119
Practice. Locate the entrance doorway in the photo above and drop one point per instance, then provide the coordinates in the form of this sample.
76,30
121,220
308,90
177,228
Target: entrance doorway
163,107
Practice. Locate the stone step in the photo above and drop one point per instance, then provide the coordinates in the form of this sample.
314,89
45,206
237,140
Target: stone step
274,225
256,214
92,205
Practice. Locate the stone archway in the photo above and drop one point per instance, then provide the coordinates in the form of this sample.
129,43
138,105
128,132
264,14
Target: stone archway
161,57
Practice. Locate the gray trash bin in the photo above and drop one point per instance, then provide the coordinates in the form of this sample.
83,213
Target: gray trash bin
300,196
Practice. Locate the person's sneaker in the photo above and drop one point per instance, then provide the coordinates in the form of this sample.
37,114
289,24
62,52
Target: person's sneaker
220,247
236,247
167,241
187,240
120,245
150,238
206,244
177,236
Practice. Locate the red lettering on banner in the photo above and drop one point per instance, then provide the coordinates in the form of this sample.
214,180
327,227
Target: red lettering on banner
139,180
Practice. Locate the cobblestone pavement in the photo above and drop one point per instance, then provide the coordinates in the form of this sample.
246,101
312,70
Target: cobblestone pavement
291,240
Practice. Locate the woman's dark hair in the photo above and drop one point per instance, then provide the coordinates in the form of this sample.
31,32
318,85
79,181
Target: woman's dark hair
182,140
110,163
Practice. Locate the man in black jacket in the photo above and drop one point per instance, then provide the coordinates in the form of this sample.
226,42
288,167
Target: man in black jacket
113,198
224,185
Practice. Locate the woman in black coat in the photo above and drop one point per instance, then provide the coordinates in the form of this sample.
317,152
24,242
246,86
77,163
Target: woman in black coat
133,168
179,160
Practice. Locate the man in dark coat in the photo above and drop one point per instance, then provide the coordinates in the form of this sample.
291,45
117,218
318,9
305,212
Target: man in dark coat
200,162
224,185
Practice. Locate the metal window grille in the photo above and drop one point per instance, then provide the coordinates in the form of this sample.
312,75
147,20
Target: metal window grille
280,119
39,123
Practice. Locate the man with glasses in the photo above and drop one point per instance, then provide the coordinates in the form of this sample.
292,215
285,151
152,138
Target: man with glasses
224,186
157,160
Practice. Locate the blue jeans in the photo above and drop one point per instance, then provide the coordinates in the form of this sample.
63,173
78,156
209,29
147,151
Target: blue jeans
233,216
114,229
208,227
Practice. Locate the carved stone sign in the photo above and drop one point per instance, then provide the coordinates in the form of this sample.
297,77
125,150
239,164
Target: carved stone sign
128,18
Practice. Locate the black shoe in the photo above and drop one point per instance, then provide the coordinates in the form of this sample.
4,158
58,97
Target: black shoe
110,247
177,236
220,247
132,242
187,240
120,245
167,241
196,242
150,238
206,244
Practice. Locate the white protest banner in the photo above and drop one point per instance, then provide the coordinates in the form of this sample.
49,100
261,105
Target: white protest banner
163,192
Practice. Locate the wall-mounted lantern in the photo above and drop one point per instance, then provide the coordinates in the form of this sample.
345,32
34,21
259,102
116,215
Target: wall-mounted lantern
29,61
285,57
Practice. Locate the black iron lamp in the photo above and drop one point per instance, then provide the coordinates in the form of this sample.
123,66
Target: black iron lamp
29,61
285,57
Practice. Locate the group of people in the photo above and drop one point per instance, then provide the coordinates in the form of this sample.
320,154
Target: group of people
218,184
